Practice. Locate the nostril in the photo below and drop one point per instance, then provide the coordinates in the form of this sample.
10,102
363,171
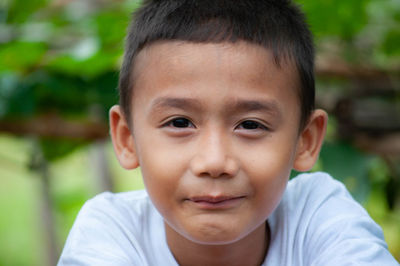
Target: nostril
209,167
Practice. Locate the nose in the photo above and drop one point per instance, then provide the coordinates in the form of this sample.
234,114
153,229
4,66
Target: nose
214,157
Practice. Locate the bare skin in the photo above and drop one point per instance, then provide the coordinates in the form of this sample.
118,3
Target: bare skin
215,131
221,254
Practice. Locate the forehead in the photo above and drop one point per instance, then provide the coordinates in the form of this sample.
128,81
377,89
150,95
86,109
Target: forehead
192,66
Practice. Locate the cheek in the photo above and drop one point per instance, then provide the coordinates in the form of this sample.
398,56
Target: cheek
269,187
269,162
161,169
268,169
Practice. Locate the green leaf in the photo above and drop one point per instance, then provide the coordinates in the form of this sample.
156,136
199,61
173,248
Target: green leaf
391,44
22,10
342,18
349,165
21,56
96,65
56,149
111,28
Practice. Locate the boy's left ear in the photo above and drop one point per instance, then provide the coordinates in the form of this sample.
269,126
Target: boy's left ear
310,141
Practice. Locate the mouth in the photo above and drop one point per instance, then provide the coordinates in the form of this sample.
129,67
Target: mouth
216,202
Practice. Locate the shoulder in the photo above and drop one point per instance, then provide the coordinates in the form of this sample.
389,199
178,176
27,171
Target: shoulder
317,185
122,204
319,218
108,227
319,197
116,209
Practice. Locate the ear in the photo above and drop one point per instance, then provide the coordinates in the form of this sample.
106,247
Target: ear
122,139
310,141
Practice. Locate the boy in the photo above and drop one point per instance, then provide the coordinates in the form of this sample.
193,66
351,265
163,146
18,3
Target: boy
217,107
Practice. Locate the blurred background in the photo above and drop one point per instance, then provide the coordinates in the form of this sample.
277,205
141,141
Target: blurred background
59,63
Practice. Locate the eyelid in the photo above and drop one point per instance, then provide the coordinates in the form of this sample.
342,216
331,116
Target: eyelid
262,125
168,121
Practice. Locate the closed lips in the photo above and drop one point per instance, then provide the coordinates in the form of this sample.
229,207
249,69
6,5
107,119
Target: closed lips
211,199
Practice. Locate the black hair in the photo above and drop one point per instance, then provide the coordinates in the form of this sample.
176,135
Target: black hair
278,25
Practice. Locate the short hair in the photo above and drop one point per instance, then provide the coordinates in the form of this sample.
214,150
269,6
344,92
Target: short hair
278,25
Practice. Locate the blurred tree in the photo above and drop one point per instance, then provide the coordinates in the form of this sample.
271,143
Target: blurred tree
59,59
59,63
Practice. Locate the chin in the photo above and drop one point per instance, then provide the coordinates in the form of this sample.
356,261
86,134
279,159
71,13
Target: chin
212,235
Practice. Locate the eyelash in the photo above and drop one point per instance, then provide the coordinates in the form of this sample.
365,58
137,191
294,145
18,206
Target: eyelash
188,124
171,122
259,126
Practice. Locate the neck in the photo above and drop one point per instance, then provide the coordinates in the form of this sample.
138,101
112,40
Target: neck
250,250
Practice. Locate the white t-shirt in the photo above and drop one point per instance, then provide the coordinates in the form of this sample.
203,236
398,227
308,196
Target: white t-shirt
316,223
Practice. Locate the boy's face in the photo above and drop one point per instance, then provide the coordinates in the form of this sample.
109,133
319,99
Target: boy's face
215,130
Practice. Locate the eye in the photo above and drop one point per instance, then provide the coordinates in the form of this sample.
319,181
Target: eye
251,125
179,122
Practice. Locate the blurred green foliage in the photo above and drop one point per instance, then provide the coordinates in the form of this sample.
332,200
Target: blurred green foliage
62,57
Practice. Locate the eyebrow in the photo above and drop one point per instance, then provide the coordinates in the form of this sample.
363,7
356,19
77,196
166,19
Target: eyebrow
256,105
238,106
269,106
178,103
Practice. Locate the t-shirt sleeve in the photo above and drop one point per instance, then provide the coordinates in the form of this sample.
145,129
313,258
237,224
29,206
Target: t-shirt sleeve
100,236
340,231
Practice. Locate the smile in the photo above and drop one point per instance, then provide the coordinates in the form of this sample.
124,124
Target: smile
216,203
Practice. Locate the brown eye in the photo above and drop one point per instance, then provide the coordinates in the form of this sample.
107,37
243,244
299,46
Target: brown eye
251,125
180,122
